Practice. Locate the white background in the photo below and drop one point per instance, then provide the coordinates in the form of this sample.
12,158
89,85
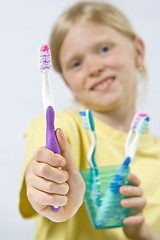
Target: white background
24,26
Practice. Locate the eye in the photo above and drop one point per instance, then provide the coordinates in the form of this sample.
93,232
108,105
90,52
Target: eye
104,49
76,64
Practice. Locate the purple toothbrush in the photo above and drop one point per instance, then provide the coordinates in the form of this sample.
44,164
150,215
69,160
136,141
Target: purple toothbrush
51,139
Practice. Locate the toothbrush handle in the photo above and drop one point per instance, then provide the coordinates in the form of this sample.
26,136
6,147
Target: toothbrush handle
51,139
127,161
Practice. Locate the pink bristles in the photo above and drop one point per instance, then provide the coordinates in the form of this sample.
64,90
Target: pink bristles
142,114
137,119
45,58
44,48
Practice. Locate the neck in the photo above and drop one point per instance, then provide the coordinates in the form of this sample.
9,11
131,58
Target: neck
119,118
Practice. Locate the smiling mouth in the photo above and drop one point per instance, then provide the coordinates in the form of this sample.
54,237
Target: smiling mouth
104,84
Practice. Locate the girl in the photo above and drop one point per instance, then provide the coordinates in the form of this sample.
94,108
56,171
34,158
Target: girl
98,55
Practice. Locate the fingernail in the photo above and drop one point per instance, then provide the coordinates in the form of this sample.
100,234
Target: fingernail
62,162
125,221
125,202
125,189
62,133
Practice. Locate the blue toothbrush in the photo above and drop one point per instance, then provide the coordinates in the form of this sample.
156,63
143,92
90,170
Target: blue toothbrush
139,127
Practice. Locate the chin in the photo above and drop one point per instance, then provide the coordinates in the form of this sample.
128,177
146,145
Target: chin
102,108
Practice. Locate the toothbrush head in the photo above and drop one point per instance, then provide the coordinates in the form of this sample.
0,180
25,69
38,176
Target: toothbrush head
136,121
87,120
143,125
44,58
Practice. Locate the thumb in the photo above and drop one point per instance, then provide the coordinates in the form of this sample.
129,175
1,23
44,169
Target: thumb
65,150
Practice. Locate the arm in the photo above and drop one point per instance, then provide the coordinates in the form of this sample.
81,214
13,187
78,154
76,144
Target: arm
48,185
136,228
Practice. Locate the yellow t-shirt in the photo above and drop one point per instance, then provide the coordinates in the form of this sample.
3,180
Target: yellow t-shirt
109,151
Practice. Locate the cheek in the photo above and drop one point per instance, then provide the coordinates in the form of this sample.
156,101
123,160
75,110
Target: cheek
122,59
114,60
73,81
124,65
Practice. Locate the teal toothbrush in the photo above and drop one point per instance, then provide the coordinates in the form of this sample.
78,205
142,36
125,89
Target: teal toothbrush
88,124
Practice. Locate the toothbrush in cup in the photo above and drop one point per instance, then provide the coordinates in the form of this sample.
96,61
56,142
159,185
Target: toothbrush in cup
139,127
88,124
133,126
48,105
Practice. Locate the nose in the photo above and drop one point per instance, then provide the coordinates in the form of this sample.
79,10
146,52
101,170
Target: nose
95,65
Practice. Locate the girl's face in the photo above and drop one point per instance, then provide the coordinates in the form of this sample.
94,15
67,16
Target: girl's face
99,64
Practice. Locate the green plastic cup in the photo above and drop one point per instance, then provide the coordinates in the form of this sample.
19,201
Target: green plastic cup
102,197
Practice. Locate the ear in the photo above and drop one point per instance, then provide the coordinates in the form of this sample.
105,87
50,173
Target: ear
139,51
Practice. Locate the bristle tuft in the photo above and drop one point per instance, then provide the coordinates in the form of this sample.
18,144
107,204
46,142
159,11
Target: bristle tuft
137,120
84,120
44,48
45,58
143,126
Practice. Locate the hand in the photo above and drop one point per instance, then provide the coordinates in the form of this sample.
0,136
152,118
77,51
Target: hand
48,185
134,224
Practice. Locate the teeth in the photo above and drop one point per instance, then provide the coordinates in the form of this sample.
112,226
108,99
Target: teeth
104,83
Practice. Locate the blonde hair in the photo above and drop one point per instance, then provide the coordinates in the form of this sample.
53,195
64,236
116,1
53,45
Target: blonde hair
98,12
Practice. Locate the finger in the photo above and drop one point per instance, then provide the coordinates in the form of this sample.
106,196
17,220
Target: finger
48,186
138,202
42,198
46,156
65,150
75,178
134,220
134,179
50,173
131,191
